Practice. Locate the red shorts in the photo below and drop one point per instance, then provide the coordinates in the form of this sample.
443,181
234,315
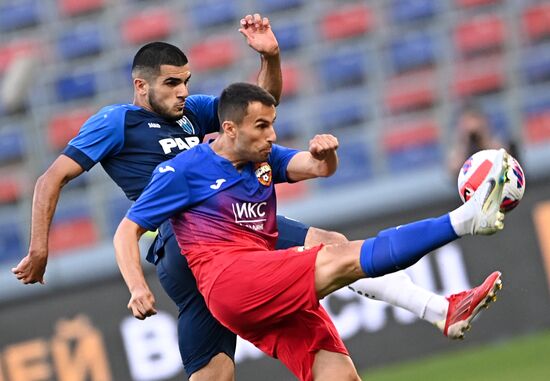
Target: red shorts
269,299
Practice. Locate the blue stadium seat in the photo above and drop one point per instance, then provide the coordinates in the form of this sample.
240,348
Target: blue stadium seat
12,145
536,64
413,145
413,50
537,102
19,14
218,12
84,40
267,6
11,242
354,163
407,10
333,115
343,68
116,209
290,36
415,156
75,86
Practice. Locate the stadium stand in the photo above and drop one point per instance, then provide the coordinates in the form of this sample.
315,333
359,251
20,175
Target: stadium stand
352,68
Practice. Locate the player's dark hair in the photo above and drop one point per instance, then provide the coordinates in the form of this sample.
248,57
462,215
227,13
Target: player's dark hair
235,98
150,57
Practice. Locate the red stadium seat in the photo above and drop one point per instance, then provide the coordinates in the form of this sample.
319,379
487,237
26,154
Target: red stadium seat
14,49
411,91
536,21
291,79
479,76
11,188
475,3
347,21
480,34
63,127
72,234
75,7
537,127
287,192
148,25
411,134
214,53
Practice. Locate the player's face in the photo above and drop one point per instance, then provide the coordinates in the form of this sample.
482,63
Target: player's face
255,134
167,92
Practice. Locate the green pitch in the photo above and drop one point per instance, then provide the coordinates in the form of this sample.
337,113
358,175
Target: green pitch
526,358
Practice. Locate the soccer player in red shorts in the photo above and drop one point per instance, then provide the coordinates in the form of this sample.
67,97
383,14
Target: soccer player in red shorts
221,201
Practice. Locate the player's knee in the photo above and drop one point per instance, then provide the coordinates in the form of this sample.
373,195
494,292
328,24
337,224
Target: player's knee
220,368
337,266
316,236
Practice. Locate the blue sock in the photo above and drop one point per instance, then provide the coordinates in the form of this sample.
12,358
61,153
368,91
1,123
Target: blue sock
398,248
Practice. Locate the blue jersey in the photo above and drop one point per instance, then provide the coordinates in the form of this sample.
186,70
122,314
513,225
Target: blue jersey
130,141
211,202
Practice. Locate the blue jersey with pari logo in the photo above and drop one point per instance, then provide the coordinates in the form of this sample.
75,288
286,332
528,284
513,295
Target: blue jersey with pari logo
213,203
130,141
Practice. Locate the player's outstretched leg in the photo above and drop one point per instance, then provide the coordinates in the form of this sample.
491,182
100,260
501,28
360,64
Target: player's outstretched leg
397,248
452,315
464,306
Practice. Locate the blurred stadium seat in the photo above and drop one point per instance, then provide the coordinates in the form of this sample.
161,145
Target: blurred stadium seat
69,87
412,145
536,21
290,36
213,13
116,209
148,25
64,126
11,242
343,68
73,227
20,14
347,21
83,40
340,110
479,76
536,63
11,186
411,91
77,7
406,10
413,50
214,53
12,145
14,49
354,163
480,34
292,75
475,3
269,6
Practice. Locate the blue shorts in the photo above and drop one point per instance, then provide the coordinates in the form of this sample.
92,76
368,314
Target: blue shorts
200,335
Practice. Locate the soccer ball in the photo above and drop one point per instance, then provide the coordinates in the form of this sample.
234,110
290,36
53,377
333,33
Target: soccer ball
476,168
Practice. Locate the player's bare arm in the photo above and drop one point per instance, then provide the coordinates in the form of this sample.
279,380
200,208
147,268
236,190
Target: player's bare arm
320,161
46,195
142,300
259,36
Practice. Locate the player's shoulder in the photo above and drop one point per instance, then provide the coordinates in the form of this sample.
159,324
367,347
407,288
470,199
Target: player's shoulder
196,155
114,112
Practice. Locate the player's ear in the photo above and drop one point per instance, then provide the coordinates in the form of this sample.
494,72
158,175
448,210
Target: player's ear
229,128
140,86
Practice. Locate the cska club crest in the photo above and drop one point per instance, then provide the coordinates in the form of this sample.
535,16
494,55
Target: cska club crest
263,173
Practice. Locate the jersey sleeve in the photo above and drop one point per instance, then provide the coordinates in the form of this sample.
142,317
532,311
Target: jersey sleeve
165,195
205,109
278,160
101,135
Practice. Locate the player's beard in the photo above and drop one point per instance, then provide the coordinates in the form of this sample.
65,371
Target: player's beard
163,110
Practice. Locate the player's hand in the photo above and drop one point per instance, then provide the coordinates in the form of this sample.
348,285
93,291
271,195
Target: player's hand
142,303
323,146
31,268
259,35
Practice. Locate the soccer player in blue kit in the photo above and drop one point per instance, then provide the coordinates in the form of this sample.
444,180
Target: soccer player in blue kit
220,199
130,140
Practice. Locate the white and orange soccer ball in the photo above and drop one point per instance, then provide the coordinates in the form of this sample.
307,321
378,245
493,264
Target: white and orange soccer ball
476,168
